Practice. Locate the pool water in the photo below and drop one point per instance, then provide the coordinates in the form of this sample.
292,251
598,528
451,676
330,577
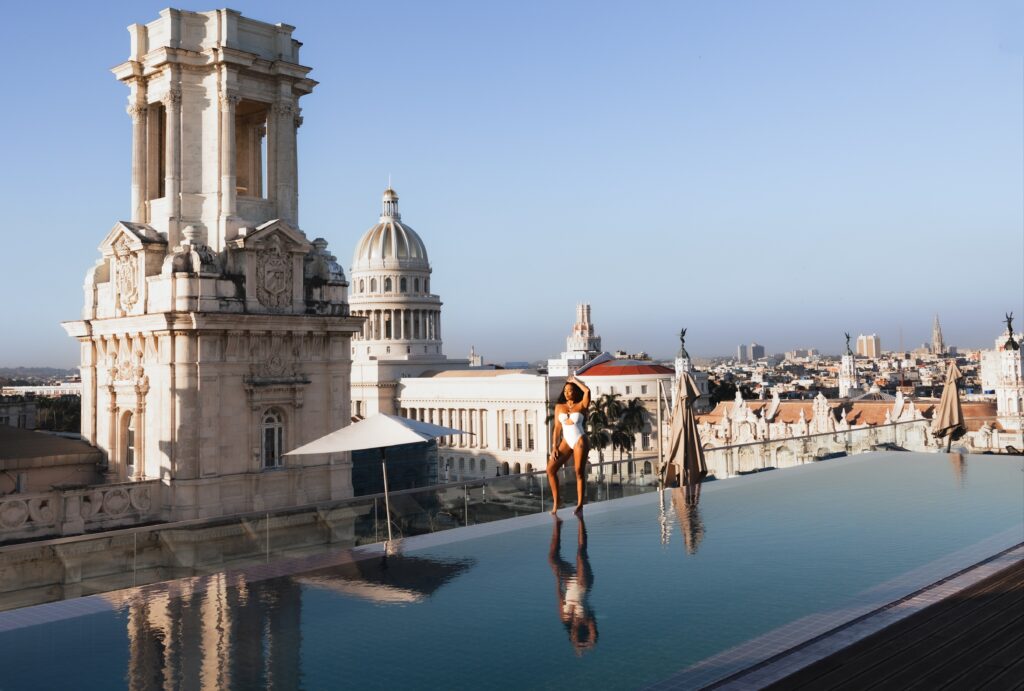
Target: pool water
520,604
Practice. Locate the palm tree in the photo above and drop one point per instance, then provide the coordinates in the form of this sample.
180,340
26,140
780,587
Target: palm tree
633,420
598,429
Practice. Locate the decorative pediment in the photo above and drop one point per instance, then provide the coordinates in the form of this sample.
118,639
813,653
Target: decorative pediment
126,236
276,233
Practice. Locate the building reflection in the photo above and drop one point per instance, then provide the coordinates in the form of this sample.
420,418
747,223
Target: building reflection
224,631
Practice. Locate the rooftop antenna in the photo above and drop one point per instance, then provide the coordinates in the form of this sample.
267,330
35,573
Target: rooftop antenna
389,180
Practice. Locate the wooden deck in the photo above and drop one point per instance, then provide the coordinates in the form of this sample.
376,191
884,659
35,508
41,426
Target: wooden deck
972,640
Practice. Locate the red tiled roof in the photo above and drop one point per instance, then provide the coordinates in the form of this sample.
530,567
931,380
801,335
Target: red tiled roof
626,368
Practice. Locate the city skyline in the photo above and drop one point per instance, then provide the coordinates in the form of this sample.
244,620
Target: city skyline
798,186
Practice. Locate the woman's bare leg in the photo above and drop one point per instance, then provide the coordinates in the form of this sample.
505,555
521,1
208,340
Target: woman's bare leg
580,456
553,465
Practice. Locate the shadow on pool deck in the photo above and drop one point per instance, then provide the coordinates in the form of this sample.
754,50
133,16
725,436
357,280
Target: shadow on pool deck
971,640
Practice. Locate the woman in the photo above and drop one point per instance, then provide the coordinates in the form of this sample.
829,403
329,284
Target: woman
570,439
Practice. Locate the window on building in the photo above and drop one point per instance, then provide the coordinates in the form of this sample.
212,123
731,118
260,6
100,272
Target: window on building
22,420
529,438
508,437
519,437
483,464
645,440
416,285
472,464
643,389
387,285
403,285
426,285
272,436
462,464
629,390
5,420
362,285
128,444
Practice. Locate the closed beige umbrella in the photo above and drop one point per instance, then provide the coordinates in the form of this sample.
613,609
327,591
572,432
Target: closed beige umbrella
685,455
949,418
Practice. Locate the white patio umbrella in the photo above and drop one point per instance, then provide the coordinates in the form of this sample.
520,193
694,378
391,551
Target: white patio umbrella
376,432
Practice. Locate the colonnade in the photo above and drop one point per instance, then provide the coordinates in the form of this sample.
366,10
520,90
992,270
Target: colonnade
516,429
472,420
396,324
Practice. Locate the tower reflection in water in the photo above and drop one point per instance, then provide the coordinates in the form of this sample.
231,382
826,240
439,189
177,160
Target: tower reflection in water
224,631
572,587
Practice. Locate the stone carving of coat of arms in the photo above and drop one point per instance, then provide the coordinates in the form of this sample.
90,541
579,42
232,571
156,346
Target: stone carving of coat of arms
126,271
273,278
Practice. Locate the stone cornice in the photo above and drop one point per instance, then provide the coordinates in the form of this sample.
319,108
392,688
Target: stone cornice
167,322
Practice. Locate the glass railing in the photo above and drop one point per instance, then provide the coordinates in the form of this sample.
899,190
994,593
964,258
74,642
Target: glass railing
60,568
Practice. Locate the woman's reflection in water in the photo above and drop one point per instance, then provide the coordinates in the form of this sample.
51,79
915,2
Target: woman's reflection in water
573,589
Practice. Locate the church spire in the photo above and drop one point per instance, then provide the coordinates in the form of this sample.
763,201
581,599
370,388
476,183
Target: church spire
938,347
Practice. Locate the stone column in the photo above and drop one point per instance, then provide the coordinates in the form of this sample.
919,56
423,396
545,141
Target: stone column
138,110
228,157
172,171
284,116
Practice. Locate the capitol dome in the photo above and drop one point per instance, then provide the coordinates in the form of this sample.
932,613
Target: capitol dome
390,243
391,289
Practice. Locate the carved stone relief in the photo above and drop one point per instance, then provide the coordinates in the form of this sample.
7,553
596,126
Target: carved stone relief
273,278
126,272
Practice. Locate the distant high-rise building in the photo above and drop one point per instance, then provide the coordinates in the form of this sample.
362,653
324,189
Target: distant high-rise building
869,346
756,351
938,347
741,353
581,346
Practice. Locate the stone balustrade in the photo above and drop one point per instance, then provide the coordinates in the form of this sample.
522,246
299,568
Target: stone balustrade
75,511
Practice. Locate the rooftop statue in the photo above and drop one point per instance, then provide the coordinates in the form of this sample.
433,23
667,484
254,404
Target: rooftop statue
682,343
1011,342
848,351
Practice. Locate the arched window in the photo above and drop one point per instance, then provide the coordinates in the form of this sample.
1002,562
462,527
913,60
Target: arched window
517,469
483,464
272,439
362,286
472,464
462,464
373,285
128,443
387,285
416,284
403,284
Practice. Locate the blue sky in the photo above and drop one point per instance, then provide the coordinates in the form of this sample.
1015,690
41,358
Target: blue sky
779,172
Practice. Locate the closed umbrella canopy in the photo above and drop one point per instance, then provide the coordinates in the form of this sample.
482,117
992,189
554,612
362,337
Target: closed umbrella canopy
949,418
375,432
685,455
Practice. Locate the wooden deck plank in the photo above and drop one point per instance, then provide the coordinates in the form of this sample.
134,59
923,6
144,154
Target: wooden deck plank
975,638
854,667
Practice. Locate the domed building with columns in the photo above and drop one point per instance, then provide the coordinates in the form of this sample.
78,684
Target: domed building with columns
401,336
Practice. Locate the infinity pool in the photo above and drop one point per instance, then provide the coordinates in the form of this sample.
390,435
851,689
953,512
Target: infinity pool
638,593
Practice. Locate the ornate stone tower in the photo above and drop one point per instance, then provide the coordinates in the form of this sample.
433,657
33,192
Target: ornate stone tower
1010,382
938,346
215,336
849,384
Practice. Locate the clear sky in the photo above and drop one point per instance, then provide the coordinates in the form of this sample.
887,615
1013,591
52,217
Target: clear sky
779,172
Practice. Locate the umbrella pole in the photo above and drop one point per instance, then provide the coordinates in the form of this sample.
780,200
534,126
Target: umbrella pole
387,502
661,461
949,442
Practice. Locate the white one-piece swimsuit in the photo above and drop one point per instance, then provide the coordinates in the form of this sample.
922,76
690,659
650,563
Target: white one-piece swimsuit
572,428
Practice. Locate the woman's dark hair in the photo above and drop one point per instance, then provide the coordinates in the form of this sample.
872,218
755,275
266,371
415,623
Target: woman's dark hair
577,391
